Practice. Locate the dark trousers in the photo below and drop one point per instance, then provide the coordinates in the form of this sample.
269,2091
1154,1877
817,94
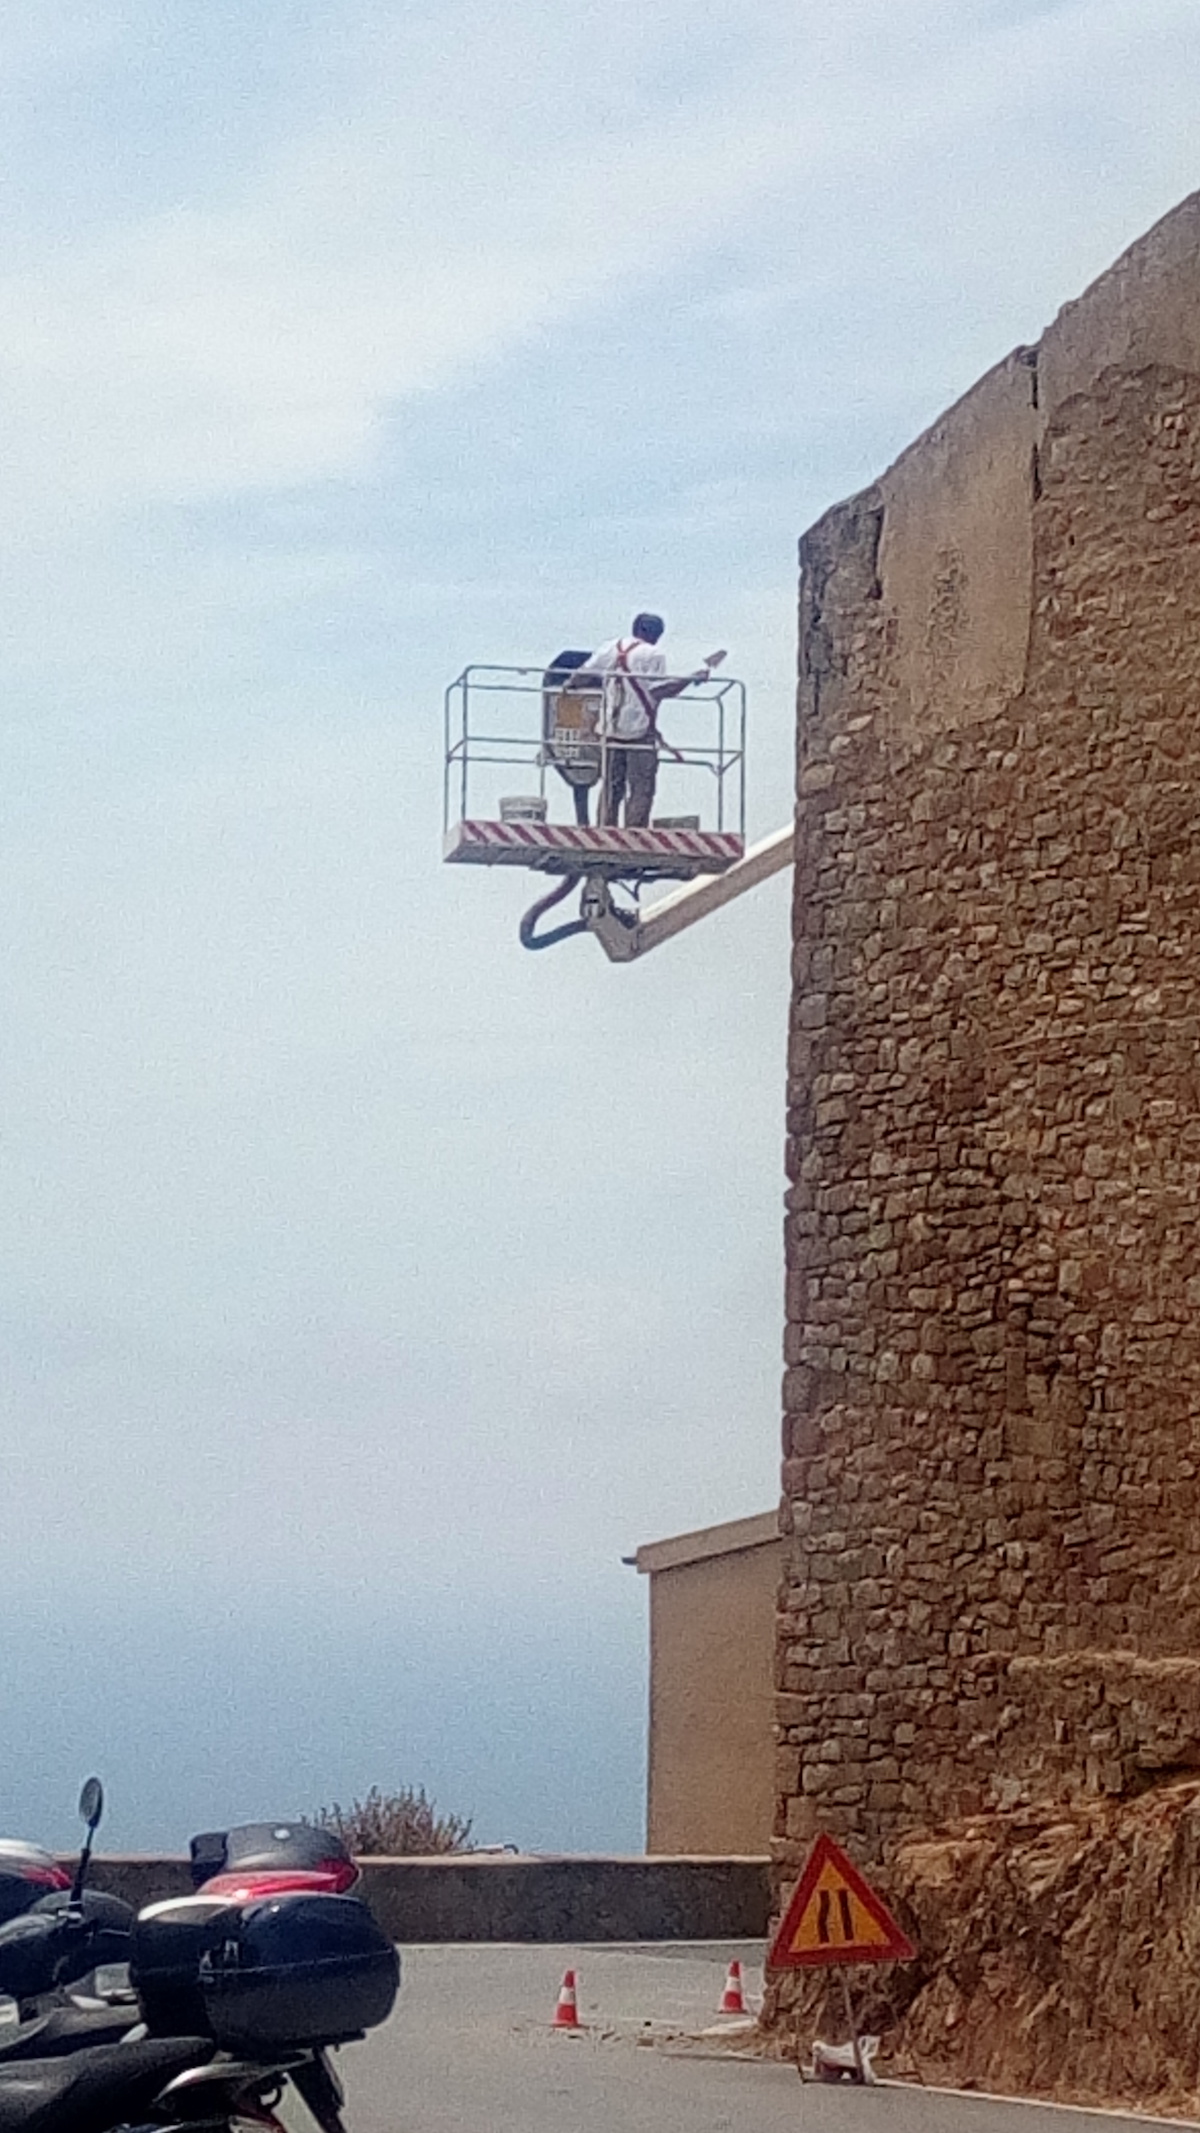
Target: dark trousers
633,770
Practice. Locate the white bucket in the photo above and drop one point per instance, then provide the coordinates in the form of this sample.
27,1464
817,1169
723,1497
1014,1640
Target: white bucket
531,808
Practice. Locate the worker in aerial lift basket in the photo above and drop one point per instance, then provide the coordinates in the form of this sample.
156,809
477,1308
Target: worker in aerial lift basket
633,669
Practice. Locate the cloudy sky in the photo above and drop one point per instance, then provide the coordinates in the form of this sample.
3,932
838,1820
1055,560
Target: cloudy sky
368,1288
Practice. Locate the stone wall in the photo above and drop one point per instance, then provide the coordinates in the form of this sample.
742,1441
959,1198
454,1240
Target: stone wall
992,1399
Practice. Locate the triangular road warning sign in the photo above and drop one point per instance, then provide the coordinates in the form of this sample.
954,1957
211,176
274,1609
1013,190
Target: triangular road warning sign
835,1917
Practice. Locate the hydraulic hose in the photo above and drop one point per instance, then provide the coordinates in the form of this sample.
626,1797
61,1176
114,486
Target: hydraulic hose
531,938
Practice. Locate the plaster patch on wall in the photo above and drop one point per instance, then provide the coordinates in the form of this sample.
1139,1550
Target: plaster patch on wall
1142,311
956,556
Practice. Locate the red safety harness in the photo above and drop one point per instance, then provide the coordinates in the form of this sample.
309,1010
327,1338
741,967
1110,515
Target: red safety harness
622,667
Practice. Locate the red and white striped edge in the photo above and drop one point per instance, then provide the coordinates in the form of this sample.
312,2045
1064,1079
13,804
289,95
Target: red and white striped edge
486,843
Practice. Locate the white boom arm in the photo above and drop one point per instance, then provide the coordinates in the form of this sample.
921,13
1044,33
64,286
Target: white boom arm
623,939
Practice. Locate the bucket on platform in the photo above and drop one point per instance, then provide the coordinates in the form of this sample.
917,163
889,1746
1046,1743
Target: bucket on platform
676,822
523,808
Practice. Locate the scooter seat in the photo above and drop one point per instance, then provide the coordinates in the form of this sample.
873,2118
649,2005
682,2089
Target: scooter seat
22,2040
93,2091
65,2029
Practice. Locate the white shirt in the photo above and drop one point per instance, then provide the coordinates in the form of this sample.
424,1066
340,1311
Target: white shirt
626,710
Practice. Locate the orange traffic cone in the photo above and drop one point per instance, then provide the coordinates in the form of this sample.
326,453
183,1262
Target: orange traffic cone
566,2014
733,1999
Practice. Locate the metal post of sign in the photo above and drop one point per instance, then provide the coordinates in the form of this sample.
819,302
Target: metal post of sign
859,2073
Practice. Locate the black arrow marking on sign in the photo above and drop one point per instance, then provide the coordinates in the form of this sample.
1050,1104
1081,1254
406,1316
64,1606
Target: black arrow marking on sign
823,1918
847,1916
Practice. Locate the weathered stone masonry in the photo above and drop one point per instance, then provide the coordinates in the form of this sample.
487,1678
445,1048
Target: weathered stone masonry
992,1399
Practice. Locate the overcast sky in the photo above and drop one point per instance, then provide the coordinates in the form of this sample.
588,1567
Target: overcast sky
368,1288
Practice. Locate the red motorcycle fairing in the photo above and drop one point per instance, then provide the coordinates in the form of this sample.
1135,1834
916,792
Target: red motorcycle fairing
333,1877
27,1871
254,1848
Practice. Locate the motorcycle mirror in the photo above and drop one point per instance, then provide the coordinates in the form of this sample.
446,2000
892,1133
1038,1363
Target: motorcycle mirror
91,1804
91,1807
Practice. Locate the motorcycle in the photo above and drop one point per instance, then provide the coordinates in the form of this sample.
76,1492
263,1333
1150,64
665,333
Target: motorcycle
185,2082
55,1941
237,1992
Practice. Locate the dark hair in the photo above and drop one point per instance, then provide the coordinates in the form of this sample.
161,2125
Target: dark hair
648,626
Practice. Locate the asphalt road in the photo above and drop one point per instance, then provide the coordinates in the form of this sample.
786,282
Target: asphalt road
470,2049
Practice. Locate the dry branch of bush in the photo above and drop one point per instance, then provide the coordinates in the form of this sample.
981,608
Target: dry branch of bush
396,1824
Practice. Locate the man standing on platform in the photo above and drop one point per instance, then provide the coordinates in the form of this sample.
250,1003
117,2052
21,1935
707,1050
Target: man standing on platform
633,669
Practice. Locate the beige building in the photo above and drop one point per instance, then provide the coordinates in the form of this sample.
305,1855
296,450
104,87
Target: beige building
712,1624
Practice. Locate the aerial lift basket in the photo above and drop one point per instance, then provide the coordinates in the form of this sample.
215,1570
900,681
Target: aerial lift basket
522,742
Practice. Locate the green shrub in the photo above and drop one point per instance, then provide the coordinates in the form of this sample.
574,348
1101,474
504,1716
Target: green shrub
395,1823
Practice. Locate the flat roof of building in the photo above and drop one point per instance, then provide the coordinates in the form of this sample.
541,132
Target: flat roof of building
730,1538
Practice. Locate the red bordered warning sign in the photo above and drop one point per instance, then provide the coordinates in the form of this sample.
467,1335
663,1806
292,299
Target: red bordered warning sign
836,1917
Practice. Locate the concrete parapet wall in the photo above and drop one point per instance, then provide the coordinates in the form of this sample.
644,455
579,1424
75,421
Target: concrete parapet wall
464,1898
